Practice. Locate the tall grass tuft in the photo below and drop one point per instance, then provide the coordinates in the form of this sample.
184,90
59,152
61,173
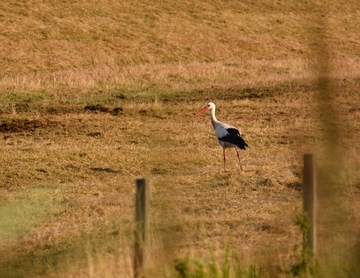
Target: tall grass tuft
202,268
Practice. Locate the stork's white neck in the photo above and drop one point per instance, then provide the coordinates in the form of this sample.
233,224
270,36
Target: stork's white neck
213,117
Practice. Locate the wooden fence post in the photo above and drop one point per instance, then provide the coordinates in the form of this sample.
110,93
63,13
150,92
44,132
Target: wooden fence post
142,216
309,201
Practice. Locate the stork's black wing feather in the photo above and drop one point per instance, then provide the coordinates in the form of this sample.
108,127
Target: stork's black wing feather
234,138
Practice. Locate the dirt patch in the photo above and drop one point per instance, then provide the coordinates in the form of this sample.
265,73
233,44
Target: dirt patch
18,125
96,108
100,108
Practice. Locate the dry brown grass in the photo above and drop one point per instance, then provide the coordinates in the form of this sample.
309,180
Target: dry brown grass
85,169
67,175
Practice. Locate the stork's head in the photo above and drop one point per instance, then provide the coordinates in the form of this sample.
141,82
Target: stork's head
208,106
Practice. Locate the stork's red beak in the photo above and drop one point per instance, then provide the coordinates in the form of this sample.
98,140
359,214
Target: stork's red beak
201,111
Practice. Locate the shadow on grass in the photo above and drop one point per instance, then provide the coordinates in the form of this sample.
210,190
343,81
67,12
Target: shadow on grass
107,170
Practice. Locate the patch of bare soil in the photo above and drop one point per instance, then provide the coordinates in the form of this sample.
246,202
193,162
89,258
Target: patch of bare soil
101,108
18,125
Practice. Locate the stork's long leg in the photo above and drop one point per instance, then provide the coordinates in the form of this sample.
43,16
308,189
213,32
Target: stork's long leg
238,155
224,154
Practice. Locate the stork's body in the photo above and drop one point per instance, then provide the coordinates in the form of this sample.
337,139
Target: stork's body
228,136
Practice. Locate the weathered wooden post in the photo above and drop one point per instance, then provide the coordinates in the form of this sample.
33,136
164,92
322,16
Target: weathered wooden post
309,201
142,220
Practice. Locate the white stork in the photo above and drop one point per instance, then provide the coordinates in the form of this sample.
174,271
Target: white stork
228,136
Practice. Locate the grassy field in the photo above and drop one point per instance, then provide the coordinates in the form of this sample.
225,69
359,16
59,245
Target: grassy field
94,94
